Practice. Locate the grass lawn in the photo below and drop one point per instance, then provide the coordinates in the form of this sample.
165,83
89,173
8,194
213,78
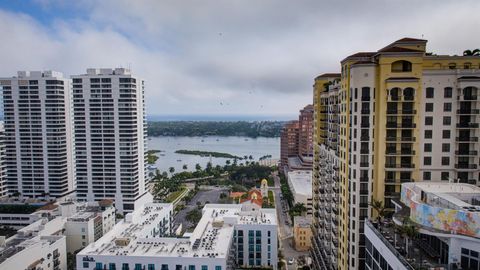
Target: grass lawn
174,195
271,199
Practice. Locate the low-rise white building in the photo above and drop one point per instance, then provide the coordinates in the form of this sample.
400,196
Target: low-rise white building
224,237
39,245
300,183
59,228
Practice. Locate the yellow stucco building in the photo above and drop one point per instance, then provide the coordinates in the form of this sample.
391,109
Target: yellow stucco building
395,115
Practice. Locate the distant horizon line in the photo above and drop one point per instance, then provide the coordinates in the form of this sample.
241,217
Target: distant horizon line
207,117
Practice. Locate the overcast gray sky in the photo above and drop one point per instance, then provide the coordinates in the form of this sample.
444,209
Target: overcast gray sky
223,57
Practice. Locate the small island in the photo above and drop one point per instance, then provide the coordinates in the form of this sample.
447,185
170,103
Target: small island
151,157
206,154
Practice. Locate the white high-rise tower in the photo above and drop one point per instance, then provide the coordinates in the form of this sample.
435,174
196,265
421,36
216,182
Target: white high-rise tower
110,136
38,145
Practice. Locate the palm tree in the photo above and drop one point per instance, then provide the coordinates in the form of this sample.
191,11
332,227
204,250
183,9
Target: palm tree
475,52
171,169
185,167
379,207
198,167
227,162
409,231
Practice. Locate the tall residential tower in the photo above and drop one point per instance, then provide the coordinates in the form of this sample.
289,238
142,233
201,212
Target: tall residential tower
394,115
38,145
110,136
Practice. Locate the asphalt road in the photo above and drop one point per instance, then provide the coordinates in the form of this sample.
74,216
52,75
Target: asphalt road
285,231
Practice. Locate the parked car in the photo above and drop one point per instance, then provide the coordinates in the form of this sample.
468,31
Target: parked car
291,260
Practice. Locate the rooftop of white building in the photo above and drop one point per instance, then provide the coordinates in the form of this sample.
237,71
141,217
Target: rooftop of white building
301,182
457,196
210,238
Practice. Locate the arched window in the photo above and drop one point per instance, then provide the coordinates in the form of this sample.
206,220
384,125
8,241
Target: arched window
401,66
395,93
470,93
408,93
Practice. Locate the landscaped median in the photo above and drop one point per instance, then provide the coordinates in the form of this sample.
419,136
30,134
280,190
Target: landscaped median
172,197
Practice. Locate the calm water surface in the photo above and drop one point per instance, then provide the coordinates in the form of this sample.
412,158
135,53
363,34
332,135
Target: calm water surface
239,146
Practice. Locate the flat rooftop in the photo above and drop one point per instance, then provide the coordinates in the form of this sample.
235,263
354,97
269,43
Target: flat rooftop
458,196
211,237
301,182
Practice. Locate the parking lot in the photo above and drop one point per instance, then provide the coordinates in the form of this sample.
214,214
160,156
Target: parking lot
204,195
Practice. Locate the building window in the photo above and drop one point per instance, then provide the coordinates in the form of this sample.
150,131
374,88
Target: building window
428,134
191,267
125,266
447,92
429,107
446,134
445,176
447,120
204,267
164,267
99,266
85,265
138,266
429,92
447,107
427,160
401,66
445,161
445,147
218,267
427,147
151,266
427,176
429,120
112,266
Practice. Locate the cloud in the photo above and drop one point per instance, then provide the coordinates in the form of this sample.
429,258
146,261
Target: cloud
259,57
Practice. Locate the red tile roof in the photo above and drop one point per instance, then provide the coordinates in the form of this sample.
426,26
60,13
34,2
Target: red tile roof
329,75
407,39
398,49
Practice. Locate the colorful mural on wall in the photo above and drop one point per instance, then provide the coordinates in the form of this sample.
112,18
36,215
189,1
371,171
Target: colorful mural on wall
448,220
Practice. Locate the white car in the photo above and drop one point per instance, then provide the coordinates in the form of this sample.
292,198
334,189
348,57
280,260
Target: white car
291,261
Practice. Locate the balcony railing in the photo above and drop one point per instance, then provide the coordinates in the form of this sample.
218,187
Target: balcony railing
400,139
466,166
466,153
399,153
466,139
396,112
468,111
467,125
404,165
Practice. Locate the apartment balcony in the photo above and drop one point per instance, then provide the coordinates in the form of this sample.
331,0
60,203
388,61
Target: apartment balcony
468,111
401,125
364,164
470,97
365,125
401,112
467,125
365,98
400,139
466,166
365,111
401,166
400,153
364,138
466,153
466,139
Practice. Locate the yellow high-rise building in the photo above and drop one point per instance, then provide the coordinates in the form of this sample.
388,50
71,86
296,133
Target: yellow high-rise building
396,115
